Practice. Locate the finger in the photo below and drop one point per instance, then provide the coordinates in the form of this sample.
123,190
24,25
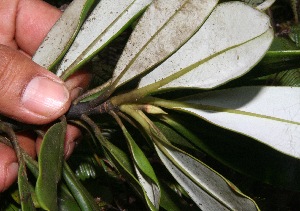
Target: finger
8,10
8,160
73,136
25,23
34,20
8,167
27,143
78,82
28,92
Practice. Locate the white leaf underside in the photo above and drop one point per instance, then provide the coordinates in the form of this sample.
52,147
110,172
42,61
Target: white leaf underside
106,20
151,189
268,114
57,38
231,41
209,190
162,30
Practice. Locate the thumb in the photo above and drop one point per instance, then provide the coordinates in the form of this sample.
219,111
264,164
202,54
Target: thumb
28,92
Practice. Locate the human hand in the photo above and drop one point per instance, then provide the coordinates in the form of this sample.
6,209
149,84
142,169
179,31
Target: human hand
28,92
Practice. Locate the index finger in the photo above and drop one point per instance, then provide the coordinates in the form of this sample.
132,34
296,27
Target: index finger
33,20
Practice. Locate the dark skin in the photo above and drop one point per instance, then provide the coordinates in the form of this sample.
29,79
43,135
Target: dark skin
23,26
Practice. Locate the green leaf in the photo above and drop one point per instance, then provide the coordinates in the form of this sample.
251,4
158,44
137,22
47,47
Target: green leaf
144,171
283,44
122,163
24,186
172,135
284,78
65,199
295,34
11,207
277,61
82,196
25,190
62,34
106,22
208,189
85,171
169,200
253,3
231,41
267,114
50,166
163,28
287,78
118,155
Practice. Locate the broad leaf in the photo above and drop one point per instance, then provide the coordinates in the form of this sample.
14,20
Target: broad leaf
268,114
163,28
50,166
283,44
208,189
231,41
62,34
106,22
65,199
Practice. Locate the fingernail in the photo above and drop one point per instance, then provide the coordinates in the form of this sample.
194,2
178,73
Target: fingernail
44,96
69,147
12,169
76,92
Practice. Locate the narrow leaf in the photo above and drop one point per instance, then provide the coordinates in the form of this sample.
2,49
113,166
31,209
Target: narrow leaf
277,61
144,170
231,41
25,191
82,196
170,201
106,22
62,34
208,189
163,28
151,189
268,114
173,135
122,163
50,166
